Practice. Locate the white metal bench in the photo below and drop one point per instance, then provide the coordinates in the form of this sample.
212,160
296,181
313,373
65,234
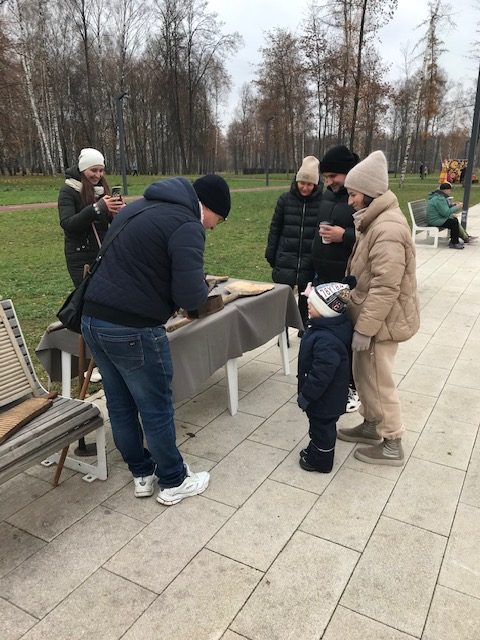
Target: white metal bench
418,216
63,423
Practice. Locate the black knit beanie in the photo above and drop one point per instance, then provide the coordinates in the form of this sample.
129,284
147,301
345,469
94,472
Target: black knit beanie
213,192
338,159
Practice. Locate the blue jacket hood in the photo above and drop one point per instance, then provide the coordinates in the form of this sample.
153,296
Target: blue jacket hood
175,191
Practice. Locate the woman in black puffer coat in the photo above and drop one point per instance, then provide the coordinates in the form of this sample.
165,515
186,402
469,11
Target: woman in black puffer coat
293,227
85,208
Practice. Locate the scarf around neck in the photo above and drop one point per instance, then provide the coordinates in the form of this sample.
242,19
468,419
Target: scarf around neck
77,185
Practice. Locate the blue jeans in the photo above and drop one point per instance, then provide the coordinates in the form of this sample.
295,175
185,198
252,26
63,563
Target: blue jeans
136,368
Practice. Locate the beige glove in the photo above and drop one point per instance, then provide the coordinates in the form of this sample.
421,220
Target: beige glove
360,342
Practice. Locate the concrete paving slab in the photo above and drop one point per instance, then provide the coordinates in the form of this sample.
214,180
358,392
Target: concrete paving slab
163,548
297,597
57,510
211,590
19,491
460,567
15,622
348,625
471,489
17,545
258,531
337,517
51,574
221,436
204,407
286,428
266,398
426,495
416,409
399,559
104,606
452,616
426,379
448,442
459,403
238,475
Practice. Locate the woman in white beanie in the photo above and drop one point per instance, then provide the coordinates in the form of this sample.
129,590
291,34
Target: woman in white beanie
383,307
293,227
85,207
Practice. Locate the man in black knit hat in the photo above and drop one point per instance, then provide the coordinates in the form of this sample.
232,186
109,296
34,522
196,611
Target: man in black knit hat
153,266
334,242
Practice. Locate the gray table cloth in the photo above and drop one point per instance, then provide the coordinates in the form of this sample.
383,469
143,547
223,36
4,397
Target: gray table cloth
203,346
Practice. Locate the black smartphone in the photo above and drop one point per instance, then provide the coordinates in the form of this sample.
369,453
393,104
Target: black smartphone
116,192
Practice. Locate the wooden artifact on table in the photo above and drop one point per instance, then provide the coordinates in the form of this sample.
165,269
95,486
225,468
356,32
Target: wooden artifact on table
234,290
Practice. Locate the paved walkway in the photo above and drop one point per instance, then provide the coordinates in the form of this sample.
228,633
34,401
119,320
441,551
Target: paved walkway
270,551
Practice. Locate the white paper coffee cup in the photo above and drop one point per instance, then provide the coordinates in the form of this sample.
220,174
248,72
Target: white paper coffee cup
325,224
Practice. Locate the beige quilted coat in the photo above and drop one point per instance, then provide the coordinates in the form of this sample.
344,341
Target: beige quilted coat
384,303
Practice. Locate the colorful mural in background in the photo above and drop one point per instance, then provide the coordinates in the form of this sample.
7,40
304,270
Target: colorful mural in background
453,171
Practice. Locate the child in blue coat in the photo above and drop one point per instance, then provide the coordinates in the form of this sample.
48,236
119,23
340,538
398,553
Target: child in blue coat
324,370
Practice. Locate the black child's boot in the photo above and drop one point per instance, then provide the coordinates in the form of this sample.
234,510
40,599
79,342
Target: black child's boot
315,459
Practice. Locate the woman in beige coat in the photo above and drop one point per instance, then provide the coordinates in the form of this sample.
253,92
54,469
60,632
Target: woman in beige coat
384,308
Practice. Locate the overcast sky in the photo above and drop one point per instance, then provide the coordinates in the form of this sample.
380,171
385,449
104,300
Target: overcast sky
252,18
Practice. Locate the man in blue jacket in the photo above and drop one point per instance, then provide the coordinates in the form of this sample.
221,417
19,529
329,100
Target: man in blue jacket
153,267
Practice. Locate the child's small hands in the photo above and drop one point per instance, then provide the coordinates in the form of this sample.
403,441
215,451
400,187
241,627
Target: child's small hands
302,402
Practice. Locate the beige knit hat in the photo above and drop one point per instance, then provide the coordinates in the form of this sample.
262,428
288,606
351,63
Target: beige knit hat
308,172
370,176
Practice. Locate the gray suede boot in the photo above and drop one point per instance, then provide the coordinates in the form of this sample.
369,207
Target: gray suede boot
388,452
365,433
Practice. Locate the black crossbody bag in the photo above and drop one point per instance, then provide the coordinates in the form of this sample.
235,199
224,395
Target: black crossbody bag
70,313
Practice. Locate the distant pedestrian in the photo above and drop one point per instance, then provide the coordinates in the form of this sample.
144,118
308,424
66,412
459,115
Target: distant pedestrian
324,371
134,168
421,170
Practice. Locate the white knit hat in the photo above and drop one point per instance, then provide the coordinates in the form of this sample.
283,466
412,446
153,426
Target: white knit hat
308,172
370,176
330,299
90,158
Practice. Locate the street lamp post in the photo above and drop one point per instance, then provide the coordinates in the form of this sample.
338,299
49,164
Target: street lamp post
267,151
121,140
471,155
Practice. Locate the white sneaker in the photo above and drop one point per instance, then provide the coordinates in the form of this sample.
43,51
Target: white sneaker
353,401
96,375
193,484
144,486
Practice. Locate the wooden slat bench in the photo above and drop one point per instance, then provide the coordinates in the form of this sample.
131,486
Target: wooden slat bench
418,216
44,436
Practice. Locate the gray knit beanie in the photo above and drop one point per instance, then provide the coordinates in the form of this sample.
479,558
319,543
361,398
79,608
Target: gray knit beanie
370,176
308,172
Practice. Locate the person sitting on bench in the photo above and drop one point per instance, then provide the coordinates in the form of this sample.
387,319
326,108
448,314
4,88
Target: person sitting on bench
440,213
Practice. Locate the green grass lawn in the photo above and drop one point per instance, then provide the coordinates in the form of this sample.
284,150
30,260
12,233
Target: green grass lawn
31,189
32,264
